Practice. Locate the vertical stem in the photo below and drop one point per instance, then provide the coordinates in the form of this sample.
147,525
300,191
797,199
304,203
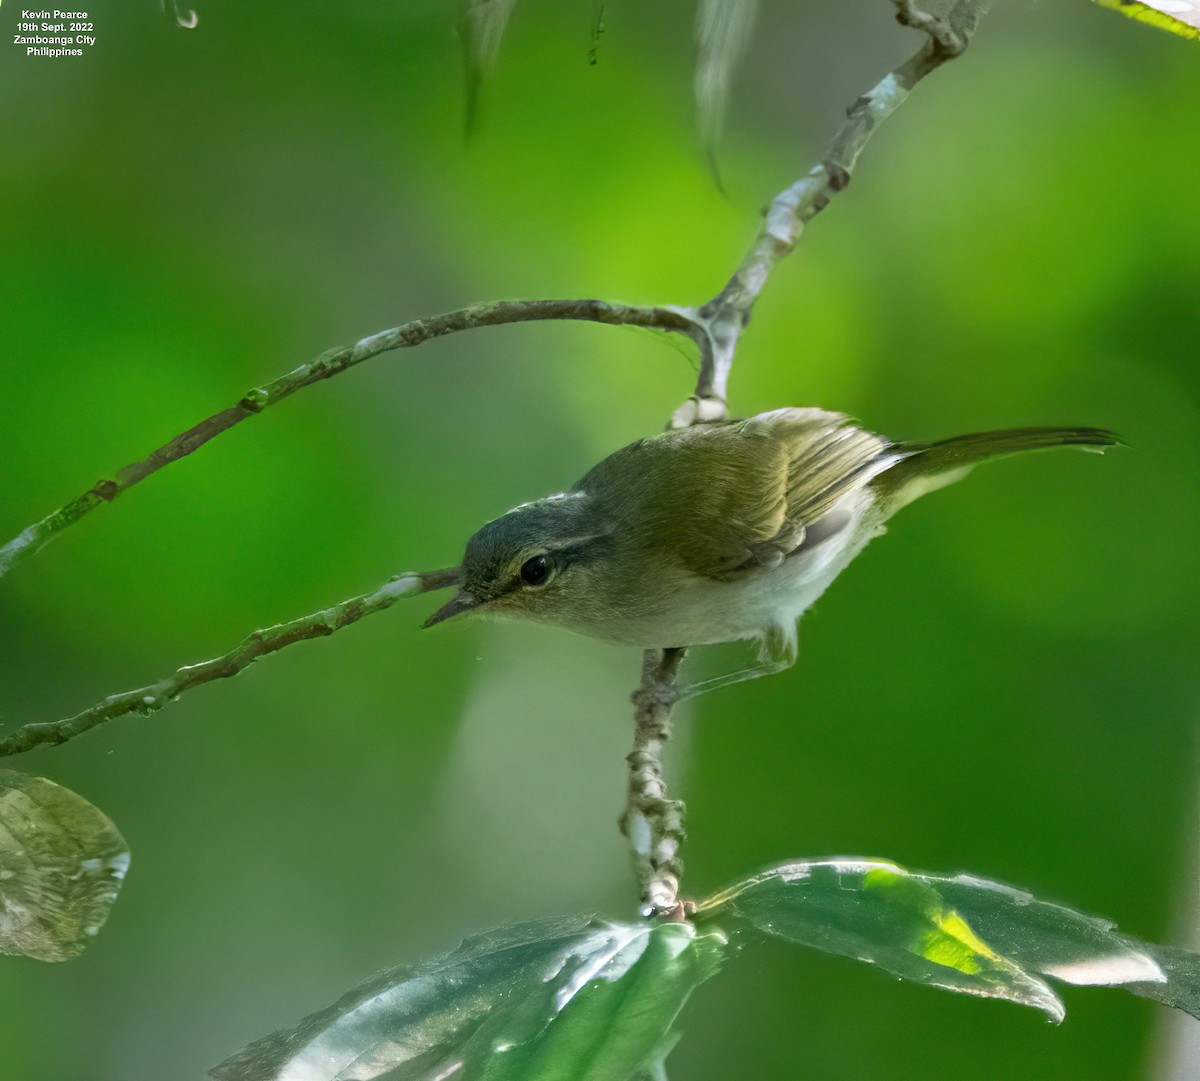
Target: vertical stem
653,822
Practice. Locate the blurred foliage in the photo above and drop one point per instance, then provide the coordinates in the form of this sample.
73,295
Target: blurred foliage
723,31
481,26
1006,683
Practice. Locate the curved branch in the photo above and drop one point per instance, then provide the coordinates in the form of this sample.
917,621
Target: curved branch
261,643
654,823
329,364
715,326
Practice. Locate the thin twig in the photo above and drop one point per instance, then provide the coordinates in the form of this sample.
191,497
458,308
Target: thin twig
652,822
329,364
726,315
715,326
147,700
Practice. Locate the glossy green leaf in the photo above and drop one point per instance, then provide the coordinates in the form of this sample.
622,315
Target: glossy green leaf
1180,17
955,932
571,999
877,912
61,865
1181,989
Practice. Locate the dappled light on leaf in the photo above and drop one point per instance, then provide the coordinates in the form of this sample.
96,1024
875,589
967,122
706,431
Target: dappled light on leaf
1180,17
1049,938
61,865
568,999
956,932
876,912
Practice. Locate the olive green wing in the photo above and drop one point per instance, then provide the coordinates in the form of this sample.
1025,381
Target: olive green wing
829,456
706,497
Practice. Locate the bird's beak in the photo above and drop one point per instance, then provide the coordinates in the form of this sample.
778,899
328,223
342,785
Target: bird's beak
461,602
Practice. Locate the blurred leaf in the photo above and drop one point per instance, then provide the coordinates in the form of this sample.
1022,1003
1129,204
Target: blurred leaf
597,30
568,999
1180,17
723,30
61,865
188,19
958,932
483,23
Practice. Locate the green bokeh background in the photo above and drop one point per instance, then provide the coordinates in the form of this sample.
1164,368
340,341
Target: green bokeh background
1006,684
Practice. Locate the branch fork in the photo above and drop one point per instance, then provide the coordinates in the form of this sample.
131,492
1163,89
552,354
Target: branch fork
653,822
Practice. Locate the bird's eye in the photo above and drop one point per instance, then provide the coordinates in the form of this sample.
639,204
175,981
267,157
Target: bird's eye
536,571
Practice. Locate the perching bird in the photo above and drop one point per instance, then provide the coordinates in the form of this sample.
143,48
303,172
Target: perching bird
717,532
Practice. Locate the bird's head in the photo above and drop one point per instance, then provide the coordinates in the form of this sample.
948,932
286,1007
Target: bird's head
539,561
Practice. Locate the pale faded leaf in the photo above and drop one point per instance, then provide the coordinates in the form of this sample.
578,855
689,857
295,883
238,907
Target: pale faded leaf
61,865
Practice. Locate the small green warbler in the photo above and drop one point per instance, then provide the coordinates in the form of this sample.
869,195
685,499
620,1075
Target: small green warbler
717,532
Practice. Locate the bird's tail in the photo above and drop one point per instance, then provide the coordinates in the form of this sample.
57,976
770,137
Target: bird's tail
925,468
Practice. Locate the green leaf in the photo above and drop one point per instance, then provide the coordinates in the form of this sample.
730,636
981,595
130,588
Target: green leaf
1180,17
1181,991
957,932
571,999
482,27
61,865
879,913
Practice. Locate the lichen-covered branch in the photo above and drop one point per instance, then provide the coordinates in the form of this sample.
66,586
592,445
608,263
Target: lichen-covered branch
329,364
653,822
715,326
261,643
726,315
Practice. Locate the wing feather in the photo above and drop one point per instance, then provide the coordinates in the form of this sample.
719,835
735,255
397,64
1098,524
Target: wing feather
716,490
828,457
738,496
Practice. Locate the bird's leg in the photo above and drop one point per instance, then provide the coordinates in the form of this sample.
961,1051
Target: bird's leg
776,651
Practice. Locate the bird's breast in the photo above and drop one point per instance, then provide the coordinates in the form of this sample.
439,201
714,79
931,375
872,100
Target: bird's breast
690,610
